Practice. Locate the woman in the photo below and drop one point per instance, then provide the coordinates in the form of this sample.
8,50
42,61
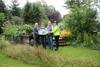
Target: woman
35,34
43,33
56,33
50,36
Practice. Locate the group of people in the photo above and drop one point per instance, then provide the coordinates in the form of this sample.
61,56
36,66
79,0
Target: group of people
47,34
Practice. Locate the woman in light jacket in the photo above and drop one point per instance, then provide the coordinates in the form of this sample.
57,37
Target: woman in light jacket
50,35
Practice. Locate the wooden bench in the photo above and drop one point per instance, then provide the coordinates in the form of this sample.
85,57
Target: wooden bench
62,41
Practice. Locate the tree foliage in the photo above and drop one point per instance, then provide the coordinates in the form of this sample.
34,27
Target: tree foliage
2,18
13,32
38,12
15,10
32,13
79,3
54,15
2,6
80,20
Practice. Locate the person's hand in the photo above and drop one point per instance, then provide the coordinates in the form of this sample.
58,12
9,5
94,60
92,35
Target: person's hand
49,32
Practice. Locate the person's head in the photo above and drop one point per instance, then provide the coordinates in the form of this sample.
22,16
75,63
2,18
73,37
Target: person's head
49,23
42,25
36,25
55,23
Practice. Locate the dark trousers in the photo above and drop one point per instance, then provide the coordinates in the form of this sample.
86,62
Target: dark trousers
36,40
57,41
43,40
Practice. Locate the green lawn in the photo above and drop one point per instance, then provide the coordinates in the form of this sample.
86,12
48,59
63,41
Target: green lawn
79,53
5,61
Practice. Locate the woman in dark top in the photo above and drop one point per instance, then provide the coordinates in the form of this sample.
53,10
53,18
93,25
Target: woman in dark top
35,35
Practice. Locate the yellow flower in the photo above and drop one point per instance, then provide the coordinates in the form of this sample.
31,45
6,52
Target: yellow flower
65,33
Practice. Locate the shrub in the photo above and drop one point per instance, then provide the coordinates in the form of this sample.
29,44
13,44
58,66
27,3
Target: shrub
12,32
88,42
65,34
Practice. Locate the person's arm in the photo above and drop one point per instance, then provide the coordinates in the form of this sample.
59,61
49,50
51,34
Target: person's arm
35,31
54,29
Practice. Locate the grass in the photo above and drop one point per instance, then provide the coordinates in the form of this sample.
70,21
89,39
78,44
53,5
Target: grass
5,61
64,57
81,53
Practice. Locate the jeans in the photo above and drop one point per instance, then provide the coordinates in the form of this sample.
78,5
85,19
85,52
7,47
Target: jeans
50,41
43,40
57,41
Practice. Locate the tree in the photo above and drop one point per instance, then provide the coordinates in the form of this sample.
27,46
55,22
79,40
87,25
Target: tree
15,10
80,20
37,15
2,14
2,6
78,3
54,15
32,13
44,12
27,11
2,19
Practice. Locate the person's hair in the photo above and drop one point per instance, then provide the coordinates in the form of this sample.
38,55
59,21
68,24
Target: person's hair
49,21
35,24
56,22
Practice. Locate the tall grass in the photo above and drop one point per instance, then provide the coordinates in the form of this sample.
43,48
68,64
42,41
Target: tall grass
3,43
44,58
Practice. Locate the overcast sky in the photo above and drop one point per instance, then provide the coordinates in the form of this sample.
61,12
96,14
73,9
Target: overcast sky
58,4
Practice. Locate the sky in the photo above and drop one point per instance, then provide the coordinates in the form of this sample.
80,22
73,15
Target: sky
58,4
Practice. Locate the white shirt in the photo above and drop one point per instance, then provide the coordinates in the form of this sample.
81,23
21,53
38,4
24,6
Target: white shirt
43,31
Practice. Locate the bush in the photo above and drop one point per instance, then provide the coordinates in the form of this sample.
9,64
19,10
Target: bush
12,32
88,42
65,34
